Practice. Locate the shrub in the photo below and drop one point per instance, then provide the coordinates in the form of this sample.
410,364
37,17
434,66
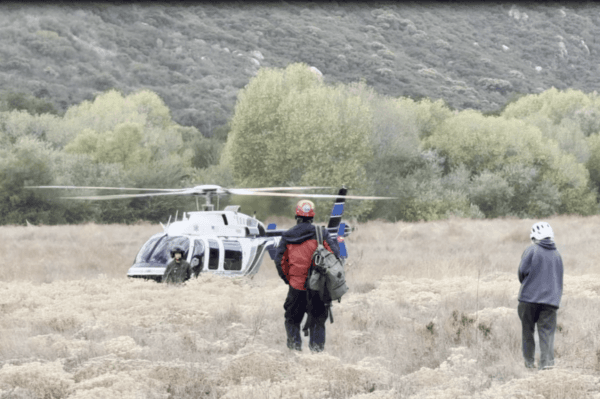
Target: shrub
491,143
23,102
491,193
428,194
28,162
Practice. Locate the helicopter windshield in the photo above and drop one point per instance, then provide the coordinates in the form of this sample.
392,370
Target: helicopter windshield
156,252
148,247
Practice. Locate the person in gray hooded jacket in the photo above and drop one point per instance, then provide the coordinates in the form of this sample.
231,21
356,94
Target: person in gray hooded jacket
541,278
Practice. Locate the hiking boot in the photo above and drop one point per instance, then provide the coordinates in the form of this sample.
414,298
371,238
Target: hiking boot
529,365
316,348
293,345
294,340
547,366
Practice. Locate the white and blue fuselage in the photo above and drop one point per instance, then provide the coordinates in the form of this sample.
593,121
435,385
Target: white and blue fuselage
222,242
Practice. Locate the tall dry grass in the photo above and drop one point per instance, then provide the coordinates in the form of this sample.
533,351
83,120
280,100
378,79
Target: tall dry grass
43,254
431,314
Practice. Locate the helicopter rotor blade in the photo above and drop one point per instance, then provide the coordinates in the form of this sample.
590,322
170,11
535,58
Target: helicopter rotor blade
108,188
122,196
205,190
269,194
280,188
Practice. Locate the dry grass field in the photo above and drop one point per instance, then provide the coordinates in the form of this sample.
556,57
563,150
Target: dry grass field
431,314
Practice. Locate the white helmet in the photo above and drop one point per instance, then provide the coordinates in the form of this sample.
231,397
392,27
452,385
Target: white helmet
541,230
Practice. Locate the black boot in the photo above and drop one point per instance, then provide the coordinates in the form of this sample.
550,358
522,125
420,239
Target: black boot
317,338
294,340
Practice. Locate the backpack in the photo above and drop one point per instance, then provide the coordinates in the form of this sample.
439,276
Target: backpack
327,275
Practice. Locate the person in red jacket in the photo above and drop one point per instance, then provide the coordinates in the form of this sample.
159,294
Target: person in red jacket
293,261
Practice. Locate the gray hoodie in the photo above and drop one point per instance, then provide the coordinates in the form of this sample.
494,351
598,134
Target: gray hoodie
541,274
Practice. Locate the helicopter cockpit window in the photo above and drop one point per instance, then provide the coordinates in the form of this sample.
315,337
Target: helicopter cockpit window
147,249
160,253
213,255
233,255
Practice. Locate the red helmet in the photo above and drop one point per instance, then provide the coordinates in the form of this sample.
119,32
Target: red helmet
305,208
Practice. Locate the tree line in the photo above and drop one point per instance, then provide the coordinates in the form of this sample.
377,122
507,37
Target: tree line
540,156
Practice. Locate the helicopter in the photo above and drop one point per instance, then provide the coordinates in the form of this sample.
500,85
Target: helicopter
223,242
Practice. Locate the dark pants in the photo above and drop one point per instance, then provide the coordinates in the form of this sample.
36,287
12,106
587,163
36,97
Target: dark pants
296,305
545,318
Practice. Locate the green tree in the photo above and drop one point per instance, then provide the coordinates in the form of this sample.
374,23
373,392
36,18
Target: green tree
552,103
17,124
123,145
207,151
567,133
593,163
430,114
111,109
396,149
24,102
132,130
396,130
255,122
290,128
482,143
495,143
114,141
428,194
28,162
491,193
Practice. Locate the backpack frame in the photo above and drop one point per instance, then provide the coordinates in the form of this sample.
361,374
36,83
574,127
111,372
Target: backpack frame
327,275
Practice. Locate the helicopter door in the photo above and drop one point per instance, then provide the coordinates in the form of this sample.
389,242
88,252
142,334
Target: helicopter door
233,255
197,261
213,255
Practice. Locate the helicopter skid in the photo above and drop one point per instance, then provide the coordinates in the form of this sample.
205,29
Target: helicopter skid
156,276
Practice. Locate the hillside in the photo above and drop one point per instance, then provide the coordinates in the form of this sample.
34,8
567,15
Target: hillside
197,57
